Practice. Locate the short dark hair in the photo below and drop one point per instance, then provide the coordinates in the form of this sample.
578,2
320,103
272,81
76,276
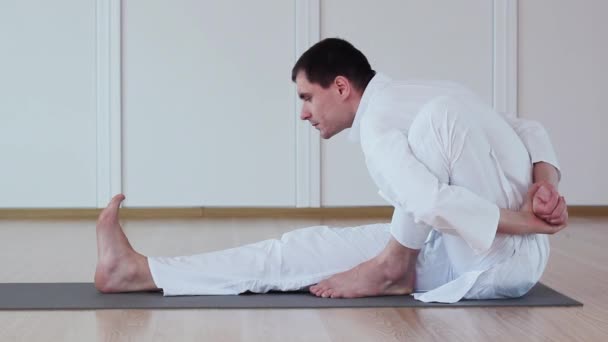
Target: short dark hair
332,57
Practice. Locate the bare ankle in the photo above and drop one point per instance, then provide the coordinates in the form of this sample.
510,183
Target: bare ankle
396,251
397,259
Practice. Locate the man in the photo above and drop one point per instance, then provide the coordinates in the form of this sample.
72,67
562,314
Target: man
474,194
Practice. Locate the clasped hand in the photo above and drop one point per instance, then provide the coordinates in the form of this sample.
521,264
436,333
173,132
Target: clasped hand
546,210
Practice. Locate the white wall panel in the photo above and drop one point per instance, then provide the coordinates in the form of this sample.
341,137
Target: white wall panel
562,84
208,106
198,108
47,104
404,39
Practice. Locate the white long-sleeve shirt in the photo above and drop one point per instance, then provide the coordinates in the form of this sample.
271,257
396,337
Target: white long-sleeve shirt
381,125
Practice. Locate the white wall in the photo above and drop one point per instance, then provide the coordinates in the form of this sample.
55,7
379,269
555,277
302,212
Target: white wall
198,108
47,104
563,70
208,110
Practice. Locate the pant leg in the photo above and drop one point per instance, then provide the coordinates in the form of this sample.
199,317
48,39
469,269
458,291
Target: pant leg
467,144
298,259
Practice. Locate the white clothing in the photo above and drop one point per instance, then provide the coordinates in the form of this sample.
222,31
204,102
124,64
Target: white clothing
446,162
382,123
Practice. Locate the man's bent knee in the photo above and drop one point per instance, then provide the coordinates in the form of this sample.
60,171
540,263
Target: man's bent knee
437,135
438,117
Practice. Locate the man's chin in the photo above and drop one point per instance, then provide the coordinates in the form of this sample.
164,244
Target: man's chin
329,134
326,135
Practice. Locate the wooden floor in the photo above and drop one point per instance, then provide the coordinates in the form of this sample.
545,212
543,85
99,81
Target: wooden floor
65,251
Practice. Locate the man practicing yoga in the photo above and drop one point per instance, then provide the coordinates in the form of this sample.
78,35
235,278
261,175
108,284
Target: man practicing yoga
474,196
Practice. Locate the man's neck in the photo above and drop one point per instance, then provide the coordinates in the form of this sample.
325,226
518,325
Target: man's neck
354,106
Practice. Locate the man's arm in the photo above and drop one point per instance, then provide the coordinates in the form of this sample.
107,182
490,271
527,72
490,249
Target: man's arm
548,205
525,221
545,172
542,154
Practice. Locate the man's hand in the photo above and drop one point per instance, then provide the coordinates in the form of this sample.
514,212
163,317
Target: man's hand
548,205
546,210
544,200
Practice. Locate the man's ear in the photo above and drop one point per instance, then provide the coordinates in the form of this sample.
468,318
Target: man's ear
343,86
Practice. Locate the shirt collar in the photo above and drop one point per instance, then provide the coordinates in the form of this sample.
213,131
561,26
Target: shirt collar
377,82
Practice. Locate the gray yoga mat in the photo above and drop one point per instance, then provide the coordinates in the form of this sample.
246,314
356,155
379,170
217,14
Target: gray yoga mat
84,296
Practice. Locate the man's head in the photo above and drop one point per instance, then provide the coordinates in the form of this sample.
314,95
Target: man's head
330,78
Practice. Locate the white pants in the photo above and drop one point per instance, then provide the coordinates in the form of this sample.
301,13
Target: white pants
491,161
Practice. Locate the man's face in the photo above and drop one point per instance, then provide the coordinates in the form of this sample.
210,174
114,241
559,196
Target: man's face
325,109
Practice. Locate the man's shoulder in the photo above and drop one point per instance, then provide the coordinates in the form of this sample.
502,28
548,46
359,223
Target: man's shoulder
396,86
411,91
397,102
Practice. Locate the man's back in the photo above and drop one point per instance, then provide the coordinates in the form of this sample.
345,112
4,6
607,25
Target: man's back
396,104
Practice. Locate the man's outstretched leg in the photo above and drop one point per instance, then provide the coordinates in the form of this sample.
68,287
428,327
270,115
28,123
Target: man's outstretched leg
119,267
298,259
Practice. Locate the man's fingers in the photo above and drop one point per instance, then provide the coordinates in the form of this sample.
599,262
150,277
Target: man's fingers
562,220
559,209
553,200
545,200
553,228
544,193
543,210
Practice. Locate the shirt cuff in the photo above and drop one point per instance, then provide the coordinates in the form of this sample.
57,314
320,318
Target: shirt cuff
481,230
407,232
540,152
465,214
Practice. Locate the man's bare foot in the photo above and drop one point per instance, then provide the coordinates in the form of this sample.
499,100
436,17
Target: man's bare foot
119,267
392,272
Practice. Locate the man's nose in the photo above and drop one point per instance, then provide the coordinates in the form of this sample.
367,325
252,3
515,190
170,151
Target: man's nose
304,115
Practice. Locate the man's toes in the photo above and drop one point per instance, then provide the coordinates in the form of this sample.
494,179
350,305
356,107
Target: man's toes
319,291
116,200
326,293
110,213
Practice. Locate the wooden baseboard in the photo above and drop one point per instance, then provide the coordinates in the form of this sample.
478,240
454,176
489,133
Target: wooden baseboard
162,213
588,210
381,213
